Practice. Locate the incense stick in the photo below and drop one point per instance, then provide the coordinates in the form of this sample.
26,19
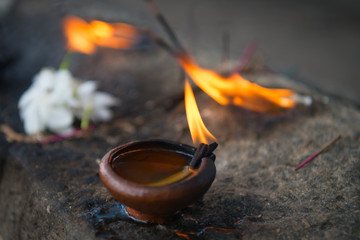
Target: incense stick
245,57
161,42
226,64
60,137
160,17
323,148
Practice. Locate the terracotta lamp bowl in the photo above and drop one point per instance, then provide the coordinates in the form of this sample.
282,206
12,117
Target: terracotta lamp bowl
155,203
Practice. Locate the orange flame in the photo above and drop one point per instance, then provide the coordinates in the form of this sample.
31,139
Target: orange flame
236,90
199,132
85,37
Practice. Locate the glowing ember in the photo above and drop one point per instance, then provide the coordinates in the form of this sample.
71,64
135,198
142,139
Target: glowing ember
85,37
236,90
199,132
184,235
188,236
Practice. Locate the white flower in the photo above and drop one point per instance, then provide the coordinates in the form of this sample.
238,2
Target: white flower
55,98
93,103
44,104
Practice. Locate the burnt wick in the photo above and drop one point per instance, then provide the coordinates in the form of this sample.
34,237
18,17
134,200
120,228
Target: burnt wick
203,150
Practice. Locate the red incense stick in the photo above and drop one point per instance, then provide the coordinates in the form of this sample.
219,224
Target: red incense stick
60,137
245,57
323,148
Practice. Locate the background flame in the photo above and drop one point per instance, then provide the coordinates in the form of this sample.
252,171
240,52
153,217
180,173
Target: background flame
85,37
236,90
199,133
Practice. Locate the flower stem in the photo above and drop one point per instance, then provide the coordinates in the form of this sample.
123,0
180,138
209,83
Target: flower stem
85,118
65,63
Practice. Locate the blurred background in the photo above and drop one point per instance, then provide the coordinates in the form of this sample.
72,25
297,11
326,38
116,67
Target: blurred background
314,41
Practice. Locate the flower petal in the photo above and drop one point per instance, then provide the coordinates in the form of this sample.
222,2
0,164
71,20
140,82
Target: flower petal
102,114
59,119
86,88
64,86
32,122
27,97
44,80
102,99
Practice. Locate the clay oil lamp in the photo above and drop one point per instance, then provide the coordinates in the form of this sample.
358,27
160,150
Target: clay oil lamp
155,179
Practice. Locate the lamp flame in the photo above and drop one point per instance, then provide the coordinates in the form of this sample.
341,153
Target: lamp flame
235,90
199,133
86,37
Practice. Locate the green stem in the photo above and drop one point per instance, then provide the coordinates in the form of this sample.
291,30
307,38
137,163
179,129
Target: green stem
65,63
85,118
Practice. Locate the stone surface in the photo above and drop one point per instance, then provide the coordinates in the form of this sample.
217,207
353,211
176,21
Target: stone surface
54,192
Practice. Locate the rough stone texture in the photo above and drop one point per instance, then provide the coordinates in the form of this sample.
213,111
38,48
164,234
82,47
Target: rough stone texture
54,191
